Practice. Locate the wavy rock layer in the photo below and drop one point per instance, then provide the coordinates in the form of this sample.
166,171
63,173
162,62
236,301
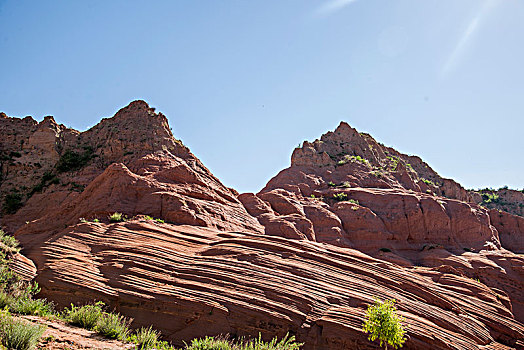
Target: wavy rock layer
186,280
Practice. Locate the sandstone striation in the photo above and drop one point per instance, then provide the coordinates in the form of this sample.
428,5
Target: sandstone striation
346,189
349,221
189,281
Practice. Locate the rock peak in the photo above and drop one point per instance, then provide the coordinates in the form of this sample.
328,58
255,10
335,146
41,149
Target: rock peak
358,158
138,104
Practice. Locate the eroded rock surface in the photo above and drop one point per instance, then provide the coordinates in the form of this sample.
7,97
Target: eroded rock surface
350,220
190,281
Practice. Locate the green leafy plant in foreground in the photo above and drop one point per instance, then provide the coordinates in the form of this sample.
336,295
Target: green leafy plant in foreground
383,323
221,343
26,305
145,338
18,334
113,326
86,316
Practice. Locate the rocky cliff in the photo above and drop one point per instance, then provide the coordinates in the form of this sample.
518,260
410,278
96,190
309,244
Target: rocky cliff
348,221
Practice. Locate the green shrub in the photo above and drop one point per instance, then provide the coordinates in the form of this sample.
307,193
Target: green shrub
18,334
86,316
8,243
6,300
340,197
160,221
12,202
145,338
117,217
113,326
221,343
286,343
9,281
359,159
383,323
428,182
71,160
29,306
354,201
47,179
209,343
331,184
490,198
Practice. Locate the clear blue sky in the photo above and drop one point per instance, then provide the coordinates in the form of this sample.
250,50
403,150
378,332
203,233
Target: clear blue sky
244,82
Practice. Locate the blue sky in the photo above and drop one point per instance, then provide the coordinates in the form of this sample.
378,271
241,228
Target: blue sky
244,82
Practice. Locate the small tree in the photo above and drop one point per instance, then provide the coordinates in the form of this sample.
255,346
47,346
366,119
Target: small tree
383,323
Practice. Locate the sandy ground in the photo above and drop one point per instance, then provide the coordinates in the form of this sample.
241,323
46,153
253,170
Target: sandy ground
60,336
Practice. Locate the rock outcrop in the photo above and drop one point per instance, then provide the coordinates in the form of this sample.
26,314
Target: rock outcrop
190,281
503,199
44,164
349,221
346,189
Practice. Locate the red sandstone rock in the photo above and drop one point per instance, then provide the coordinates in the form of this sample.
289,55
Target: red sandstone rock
278,261
163,186
191,281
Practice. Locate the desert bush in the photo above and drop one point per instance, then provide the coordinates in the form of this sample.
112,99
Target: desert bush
286,343
25,305
71,160
340,197
8,243
117,217
86,316
383,323
12,202
331,184
18,334
145,338
113,326
221,343
209,343
6,300
428,182
9,281
490,198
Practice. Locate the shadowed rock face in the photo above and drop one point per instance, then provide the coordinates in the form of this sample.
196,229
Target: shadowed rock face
349,221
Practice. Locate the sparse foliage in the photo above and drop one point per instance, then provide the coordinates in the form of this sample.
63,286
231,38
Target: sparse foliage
117,217
383,323
18,334
113,326
86,316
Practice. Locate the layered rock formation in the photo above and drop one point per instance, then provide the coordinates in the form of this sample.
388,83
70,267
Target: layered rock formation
192,281
346,189
348,221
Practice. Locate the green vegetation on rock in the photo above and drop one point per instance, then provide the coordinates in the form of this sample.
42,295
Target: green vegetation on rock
383,323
